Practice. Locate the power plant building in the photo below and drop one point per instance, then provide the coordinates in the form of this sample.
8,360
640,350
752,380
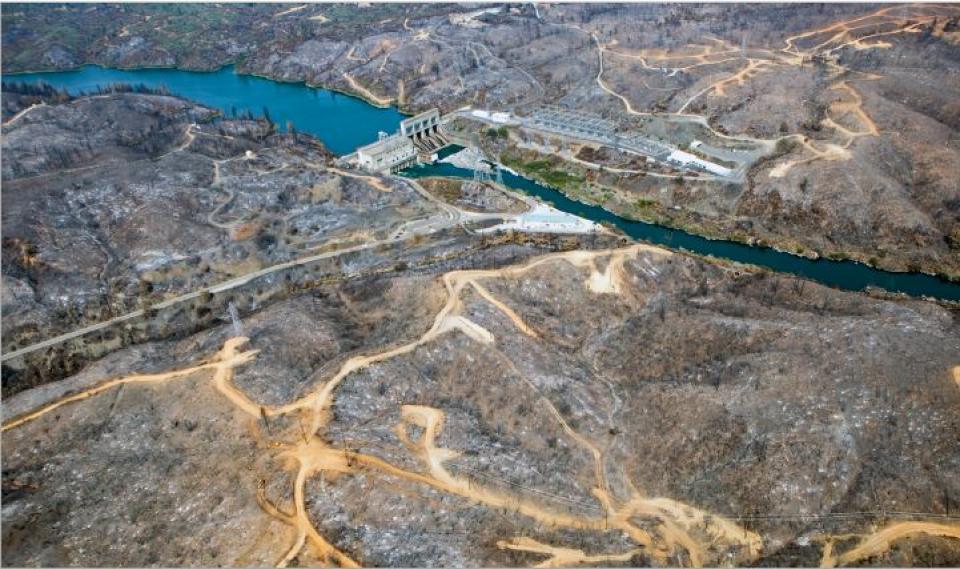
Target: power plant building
389,154
419,137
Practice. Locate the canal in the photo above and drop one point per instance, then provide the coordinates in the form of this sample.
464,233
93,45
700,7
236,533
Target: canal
344,122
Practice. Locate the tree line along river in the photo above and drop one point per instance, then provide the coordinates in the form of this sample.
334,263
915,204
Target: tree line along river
344,122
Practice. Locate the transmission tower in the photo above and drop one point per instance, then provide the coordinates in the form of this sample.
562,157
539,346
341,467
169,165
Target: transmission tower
481,174
235,320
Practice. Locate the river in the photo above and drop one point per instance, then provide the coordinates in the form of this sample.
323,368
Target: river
344,122
847,275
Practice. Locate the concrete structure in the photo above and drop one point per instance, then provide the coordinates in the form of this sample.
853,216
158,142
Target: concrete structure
421,126
687,160
583,126
424,131
389,154
418,139
542,218
575,123
494,116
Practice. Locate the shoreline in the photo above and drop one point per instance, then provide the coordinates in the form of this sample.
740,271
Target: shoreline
304,82
939,276
816,256
870,289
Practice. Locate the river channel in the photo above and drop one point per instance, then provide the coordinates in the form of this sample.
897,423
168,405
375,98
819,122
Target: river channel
343,123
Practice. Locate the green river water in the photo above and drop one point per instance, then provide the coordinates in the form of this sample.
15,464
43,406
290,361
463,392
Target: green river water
343,122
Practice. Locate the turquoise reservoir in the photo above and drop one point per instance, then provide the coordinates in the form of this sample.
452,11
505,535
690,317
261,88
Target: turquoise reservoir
343,123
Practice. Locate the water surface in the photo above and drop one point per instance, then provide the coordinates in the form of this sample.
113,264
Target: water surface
849,275
341,121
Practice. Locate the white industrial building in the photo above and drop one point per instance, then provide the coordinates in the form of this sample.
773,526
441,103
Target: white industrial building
389,154
419,137
681,158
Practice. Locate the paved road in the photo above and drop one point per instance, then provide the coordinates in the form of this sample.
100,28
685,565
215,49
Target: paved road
449,216
217,288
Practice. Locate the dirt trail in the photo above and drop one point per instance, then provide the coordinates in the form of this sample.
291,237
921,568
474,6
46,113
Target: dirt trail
212,216
852,106
701,55
289,11
661,528
377,183
189,137
880,541
841,35
600,82
227,358
309,463
677,519
506,310
676,116
350,56
366,93
217,181
830,152
752,67
313,456
23,113
386,59
610,281
563,556
834,151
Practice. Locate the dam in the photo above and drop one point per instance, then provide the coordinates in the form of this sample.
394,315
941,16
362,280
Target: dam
345,123
415,142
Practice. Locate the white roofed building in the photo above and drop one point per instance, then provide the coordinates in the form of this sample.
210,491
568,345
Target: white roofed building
389,154
688,160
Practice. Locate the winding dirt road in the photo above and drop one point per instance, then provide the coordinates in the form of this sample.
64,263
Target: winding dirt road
678,523
880,541
704,538
367,93
840,35
23,113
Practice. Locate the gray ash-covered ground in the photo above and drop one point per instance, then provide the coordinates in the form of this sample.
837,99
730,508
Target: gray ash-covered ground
738,394
448,398
113,203
882,189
